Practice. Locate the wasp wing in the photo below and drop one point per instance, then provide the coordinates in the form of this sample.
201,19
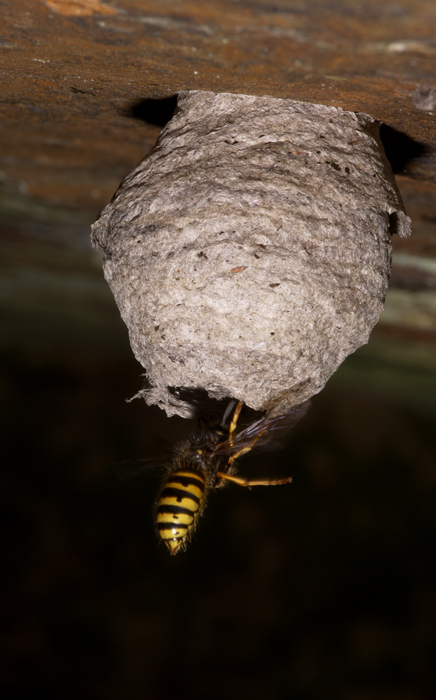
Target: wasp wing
265,433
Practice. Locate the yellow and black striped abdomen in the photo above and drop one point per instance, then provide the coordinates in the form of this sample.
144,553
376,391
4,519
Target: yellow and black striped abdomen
179,506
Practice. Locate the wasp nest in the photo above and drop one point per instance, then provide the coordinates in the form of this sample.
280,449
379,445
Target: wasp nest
249,253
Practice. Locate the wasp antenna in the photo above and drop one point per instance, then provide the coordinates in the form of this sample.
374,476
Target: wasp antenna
228,411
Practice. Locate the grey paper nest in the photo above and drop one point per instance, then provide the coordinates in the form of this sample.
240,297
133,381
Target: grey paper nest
249,252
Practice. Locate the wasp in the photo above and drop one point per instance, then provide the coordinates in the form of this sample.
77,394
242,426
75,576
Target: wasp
207,461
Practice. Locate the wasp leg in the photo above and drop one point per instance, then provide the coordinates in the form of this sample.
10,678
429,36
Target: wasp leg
232,427
244,450
255,482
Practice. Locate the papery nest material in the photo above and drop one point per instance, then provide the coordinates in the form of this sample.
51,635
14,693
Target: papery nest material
249,252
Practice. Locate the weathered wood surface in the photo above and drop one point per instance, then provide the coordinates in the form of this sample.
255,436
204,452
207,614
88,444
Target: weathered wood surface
77,74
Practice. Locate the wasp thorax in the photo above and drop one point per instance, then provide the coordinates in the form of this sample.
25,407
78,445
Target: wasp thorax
249,253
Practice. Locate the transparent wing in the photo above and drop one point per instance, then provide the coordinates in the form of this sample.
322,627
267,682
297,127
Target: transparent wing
265,433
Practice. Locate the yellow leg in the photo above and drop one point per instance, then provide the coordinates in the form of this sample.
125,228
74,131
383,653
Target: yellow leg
241,452
232,427
244,450
255,482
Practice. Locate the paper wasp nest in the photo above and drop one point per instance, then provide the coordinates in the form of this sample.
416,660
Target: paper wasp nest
249,253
